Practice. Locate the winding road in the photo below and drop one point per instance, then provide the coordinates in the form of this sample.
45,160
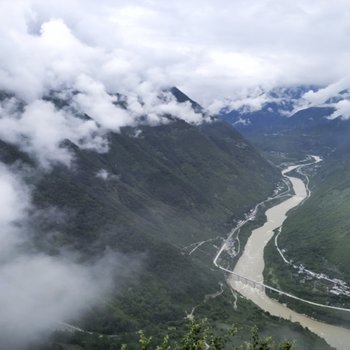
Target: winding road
247,276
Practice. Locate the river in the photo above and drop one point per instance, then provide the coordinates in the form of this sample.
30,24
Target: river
251,265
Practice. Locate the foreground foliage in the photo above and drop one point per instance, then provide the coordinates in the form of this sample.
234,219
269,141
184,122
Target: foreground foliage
199,337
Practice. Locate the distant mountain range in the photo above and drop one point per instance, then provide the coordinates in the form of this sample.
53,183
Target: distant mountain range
299,120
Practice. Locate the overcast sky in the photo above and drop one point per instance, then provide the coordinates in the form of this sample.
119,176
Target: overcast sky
207,48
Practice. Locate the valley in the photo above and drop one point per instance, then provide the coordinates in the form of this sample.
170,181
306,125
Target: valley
163,199
308,256
166,196
247,276
174,175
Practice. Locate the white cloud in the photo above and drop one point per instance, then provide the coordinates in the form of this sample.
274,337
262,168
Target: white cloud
41,53
208,49
93,100
342,109
41,129
103,174
14,203
332,90
39,291
246,101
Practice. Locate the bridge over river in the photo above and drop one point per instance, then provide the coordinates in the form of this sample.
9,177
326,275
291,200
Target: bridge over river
262,288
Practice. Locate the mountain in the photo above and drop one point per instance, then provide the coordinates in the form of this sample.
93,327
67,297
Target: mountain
171,186
316,237
263,110
157,191
293,125
267,119
181,98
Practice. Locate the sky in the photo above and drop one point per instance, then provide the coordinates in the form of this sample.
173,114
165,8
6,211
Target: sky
209,49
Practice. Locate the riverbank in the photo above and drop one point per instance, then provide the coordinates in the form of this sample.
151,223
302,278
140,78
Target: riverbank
251,265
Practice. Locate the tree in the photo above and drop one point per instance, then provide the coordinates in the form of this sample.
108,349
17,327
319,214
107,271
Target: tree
199,337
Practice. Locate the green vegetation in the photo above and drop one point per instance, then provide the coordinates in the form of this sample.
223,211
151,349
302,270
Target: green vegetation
317,236
307,131
220,312
197,335
169,187
172,186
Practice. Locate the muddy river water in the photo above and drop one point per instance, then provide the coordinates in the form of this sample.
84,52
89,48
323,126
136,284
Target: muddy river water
251,265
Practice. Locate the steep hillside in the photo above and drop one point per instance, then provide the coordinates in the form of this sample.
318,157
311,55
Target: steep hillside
171,186
316,235
155,193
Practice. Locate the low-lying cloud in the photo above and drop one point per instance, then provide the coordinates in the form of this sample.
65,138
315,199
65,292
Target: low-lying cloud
335,95
50,61
335,90
40,129
342,110
89,52
38,291
55,86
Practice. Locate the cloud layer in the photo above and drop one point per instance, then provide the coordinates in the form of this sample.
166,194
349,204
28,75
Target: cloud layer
208,49
42,56
39,291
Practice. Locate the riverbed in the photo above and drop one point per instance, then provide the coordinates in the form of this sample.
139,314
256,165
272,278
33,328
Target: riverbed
251,265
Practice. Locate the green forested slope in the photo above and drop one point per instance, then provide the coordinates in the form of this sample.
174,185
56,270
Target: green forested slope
172,186
317,235
169,187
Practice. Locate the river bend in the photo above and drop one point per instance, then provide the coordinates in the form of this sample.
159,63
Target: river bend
251,265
